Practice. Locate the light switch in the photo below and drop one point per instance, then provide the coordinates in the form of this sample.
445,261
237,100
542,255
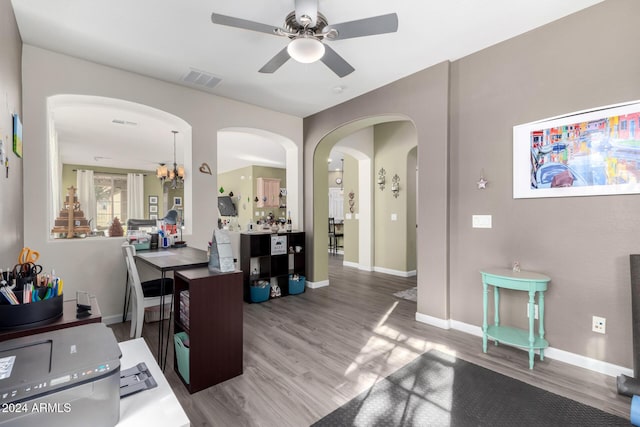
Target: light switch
394,217
357,216
347,216
481,221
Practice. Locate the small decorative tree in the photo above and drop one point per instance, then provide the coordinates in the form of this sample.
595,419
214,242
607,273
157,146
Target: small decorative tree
116,228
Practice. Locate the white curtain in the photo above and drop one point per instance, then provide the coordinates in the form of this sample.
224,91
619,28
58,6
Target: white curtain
135,196
87,195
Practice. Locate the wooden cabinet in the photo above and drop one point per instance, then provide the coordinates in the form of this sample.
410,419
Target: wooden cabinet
214,325
268,192
259,261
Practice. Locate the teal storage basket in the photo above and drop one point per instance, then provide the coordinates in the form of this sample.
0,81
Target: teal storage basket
258,294
296,286
182,355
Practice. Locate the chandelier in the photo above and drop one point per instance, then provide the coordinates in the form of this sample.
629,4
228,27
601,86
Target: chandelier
175,176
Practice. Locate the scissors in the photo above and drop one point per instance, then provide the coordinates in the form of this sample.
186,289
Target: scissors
27,270
28,255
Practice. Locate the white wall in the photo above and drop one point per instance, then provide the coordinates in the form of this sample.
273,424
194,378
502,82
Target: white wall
96,265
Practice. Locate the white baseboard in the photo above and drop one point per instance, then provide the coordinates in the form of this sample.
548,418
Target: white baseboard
356,265
433,321
316,285
350,264
552,353
394,272
110,320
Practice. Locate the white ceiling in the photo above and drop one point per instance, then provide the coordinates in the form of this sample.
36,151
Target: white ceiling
166,39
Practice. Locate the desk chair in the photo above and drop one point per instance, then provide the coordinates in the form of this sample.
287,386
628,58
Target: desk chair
171,218
333,236
145,294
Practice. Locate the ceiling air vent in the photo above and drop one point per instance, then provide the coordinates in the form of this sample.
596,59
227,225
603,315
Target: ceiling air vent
124,122
201,78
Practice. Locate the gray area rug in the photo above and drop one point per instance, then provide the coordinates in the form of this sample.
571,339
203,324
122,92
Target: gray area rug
411,294
439,390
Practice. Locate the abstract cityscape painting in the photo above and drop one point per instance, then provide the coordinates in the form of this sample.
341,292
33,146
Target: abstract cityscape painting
586,153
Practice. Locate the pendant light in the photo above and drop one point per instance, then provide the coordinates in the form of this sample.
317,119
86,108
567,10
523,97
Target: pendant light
175,176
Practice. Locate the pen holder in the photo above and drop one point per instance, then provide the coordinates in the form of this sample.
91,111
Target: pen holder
30,314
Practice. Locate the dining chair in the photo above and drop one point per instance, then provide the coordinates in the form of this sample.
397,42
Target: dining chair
144,294
333,236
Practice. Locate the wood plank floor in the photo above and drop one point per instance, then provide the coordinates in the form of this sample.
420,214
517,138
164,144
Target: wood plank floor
308,354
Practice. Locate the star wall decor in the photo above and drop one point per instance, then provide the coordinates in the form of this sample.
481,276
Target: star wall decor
482,183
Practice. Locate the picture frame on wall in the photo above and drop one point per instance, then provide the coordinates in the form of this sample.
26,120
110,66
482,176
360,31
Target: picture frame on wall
153,200
153,208
17,135
585,153
177,201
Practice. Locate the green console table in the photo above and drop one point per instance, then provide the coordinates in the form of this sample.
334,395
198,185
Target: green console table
519,281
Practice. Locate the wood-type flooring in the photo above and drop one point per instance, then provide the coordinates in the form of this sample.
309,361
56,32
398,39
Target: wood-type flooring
306,355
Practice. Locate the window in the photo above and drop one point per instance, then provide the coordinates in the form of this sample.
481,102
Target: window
111,199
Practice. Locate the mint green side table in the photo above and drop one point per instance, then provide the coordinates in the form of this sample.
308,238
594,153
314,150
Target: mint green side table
520,281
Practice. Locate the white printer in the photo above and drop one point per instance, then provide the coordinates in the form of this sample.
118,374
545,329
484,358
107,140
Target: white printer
68,377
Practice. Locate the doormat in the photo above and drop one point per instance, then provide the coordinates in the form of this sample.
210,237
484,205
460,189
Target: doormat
410,294
438,389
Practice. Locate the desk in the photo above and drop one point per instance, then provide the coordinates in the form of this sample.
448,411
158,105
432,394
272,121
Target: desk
170,259
157,406
519,281
67,320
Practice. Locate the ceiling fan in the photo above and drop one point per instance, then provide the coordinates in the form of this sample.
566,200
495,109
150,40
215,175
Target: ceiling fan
307,29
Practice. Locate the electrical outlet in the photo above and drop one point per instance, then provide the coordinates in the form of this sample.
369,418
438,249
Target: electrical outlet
599,325
535,311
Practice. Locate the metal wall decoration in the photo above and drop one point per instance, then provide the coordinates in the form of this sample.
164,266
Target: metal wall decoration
395,185
352,202
381,178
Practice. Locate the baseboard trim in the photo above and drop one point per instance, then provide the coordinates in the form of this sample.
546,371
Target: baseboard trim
394,272
433,321
110,320
356,265
316,285
552,353
351,264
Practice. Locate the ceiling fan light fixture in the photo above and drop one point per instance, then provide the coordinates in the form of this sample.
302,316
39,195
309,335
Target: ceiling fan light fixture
305,49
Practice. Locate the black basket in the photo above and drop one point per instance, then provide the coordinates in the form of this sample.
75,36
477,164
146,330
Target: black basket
32,314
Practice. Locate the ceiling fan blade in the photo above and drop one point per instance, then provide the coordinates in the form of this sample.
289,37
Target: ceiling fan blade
230,21
275,62
308,8
365,27
336,63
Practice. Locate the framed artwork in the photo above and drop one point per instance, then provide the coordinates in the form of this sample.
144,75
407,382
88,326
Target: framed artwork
586,153
153,216
153,200
177,201
153,208
17,135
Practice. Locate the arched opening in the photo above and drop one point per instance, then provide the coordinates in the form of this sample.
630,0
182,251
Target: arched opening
387,135
245,154
114,138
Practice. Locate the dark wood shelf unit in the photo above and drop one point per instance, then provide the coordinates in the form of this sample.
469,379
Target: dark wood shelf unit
257,246
215,325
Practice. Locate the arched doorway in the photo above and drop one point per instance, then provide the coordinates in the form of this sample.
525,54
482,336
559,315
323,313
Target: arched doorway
367,194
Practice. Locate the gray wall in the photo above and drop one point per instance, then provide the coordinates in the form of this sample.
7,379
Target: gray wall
585,60
10,102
